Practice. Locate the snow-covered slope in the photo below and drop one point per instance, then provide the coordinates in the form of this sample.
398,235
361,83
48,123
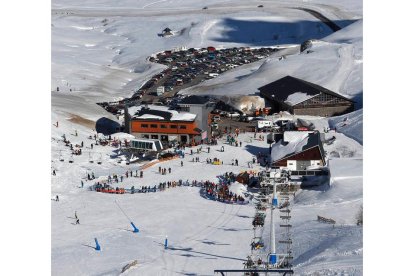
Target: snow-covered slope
99,51
334,63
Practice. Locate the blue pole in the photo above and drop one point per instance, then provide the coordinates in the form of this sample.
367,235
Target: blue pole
98,247
136,230
166,242
274,201
272,259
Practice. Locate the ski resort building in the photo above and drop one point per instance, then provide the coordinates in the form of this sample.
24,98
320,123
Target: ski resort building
201,106
298,150
158,122
304,98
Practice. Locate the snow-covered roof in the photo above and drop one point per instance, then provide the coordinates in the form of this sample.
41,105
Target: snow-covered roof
298,97
156,112
299,142
280,149
150,116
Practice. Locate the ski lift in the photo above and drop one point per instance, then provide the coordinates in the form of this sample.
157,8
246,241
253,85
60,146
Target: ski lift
71,160
99,160
90,158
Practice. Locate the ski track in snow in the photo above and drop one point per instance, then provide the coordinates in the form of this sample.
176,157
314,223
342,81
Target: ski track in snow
153,3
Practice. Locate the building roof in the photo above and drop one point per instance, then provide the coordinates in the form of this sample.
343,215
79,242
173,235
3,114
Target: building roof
156,112
293,91
281,150
194,100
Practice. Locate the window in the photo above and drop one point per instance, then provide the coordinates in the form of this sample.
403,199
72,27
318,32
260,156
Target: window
163,126
183,127
173,126
153,126
144,125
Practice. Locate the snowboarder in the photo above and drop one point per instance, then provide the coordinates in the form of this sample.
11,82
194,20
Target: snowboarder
57,198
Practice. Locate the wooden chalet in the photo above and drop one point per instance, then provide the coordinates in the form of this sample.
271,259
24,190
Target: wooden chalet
304,98
299,153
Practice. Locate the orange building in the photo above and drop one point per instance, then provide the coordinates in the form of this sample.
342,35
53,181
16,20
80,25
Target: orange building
158,122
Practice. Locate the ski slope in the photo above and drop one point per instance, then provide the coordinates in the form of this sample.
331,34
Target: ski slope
99,52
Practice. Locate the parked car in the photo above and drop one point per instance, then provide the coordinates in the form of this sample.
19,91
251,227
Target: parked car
233,115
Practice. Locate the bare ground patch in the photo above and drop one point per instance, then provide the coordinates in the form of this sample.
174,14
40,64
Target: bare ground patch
82,121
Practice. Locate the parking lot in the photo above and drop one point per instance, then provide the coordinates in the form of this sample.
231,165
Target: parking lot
190,67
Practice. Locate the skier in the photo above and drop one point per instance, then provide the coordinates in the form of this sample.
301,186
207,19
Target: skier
141,174
169,170
208,149
77,221
82,183
82,144
57,124
57,198
237,162
54,172
159,170
240,144
76,132
76,216
91,146
182,163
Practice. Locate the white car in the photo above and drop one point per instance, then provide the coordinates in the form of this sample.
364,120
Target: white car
233,114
